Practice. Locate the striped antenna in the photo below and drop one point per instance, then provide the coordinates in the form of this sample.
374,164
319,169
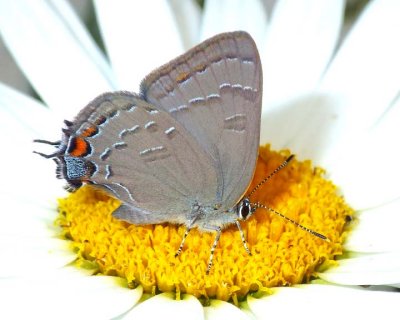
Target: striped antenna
260,205
281,166
317,234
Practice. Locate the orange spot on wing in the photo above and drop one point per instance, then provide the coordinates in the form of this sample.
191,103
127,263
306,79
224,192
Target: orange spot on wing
90,131
79,147
183,76
200,68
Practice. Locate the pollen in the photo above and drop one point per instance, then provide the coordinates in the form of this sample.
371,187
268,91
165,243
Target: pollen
282,253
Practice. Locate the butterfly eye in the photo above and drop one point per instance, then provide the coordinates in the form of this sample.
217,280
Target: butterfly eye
244,209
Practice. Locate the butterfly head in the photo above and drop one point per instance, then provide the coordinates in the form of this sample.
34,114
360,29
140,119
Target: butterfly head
245,209
71,167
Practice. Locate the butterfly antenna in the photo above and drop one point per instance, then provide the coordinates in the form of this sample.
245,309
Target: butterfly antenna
47,156
317,234
52,143
281,166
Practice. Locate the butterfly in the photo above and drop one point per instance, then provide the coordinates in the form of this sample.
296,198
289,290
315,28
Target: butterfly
184,149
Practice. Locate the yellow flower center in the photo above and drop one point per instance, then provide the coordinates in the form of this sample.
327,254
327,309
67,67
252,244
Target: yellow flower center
282,254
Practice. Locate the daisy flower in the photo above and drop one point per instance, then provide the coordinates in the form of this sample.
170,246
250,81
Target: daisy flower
329,99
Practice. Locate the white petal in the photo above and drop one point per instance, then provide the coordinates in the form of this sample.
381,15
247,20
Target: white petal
227,15
188,17
371,269
300,42
54,52
301,38
26,119
165,306
365,73
324,301
139,36
365,164
36,255
376,230
223,310
29,174
305,125
66,296
23,115
351,126
24,215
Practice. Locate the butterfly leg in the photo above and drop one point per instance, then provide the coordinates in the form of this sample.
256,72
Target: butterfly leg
183,241
188,228
218,230
243,239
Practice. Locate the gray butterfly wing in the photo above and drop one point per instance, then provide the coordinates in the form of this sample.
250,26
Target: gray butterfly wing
145,158
214,90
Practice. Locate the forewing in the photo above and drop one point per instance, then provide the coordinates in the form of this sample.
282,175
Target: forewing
145,158
214,90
